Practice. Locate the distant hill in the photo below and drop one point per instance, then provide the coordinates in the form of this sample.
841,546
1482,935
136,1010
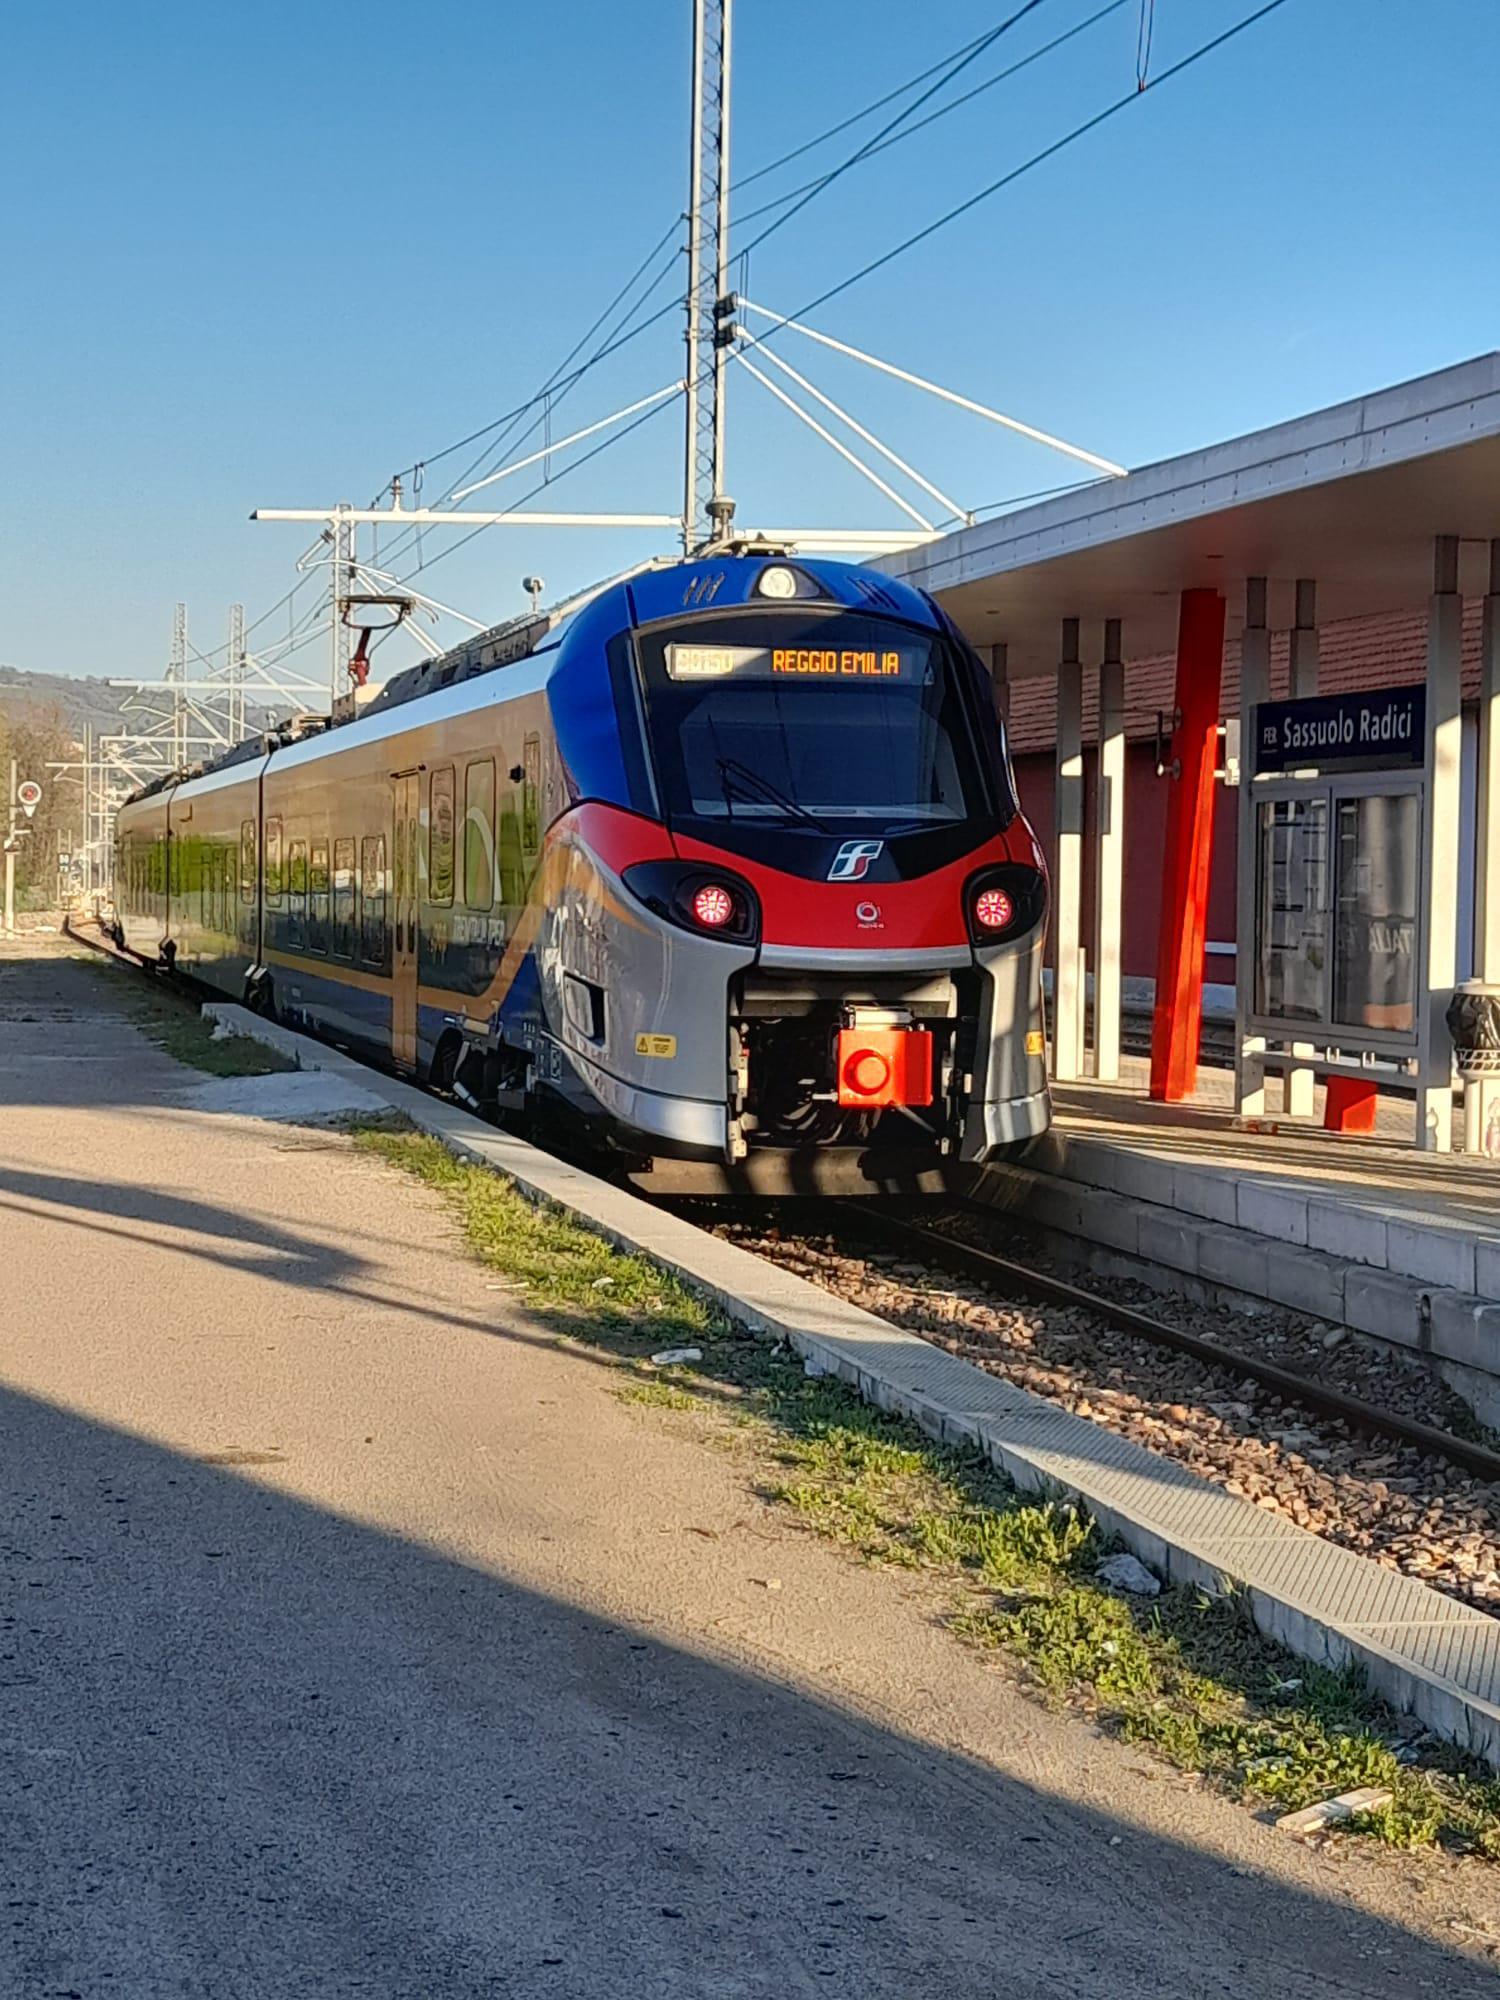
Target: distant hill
83,701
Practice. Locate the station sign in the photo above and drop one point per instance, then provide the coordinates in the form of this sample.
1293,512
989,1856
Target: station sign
1379,727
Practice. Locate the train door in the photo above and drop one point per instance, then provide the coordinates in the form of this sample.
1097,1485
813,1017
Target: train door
407,903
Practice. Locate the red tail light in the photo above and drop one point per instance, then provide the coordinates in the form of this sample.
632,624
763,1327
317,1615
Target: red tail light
713,906
993,910
1005,902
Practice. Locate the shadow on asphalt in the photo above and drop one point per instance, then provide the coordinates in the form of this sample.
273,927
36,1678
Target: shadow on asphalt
255,1749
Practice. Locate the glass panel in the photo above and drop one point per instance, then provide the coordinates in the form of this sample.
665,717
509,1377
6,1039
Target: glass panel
318,886
1291,919
296,875
343,898
440,865
247,860
273,860
372,898
479,835
1375,920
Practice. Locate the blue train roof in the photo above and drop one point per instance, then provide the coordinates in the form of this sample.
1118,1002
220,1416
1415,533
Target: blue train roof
712,582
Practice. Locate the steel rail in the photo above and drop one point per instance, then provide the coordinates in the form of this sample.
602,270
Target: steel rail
970,1260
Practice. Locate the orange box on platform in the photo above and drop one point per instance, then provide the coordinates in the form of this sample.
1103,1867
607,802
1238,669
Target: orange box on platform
882,1066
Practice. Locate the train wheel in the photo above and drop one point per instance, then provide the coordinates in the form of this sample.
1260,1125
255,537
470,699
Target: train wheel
260,995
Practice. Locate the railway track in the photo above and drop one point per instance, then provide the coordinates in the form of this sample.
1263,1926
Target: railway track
989,1265
1389,1473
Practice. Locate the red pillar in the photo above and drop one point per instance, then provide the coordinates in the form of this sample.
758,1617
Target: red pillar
1189,851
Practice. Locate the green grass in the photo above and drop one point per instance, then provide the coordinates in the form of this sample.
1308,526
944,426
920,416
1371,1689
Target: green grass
172,1020
1186,1674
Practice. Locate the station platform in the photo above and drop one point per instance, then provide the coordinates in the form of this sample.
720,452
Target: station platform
1360,1231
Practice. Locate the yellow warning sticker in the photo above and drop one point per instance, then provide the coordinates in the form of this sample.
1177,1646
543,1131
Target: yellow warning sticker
1036,1043
656,1045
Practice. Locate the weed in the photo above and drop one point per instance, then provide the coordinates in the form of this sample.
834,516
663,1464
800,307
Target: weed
172,1020
1186,1674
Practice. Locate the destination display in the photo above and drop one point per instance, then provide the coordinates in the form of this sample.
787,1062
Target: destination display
1375,726
801,663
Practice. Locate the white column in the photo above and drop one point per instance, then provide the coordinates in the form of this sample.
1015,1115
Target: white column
1000,676
1255,687
1109,871
1303,637
1440,852
1302,653
1482,1094
1067,997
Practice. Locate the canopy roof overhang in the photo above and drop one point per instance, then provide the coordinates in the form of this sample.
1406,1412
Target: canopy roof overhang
1352,497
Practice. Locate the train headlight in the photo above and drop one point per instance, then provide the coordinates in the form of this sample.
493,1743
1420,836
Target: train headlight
713,906
777,582
994,910
1005,901
711,901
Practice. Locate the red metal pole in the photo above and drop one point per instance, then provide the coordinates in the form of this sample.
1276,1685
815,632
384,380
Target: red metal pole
1188,862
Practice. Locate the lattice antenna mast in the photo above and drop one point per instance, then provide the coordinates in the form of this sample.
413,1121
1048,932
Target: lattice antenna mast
341,586
710,310
177,674
236,672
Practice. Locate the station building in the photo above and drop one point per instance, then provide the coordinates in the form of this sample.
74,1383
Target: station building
1254,702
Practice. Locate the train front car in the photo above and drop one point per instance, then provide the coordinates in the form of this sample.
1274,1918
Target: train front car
795,935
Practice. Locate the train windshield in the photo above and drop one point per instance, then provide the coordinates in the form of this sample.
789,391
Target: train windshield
799,719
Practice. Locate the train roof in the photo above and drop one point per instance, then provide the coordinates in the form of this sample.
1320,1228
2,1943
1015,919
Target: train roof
647,595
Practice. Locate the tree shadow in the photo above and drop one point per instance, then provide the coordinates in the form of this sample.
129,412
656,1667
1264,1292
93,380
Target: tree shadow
254,1748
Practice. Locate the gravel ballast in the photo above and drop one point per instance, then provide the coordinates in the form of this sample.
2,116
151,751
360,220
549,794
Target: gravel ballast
1403,1507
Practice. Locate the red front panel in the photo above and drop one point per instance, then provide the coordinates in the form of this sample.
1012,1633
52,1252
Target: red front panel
923,915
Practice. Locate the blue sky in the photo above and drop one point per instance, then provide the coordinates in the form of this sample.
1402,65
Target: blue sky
271,254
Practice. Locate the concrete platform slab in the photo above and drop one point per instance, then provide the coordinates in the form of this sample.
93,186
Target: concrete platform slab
1428,1217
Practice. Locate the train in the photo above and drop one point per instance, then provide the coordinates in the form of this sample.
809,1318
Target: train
718,874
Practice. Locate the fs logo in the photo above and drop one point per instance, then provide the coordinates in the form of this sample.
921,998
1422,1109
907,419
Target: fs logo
855,859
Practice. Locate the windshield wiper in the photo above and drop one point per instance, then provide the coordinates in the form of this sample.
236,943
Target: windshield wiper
753,786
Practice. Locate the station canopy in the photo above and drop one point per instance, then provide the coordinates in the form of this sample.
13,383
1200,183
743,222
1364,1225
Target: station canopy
1351,497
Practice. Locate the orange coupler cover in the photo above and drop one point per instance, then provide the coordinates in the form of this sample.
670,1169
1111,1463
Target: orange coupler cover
881,1066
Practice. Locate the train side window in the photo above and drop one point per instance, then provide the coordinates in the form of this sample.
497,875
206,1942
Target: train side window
203,859
479,834
372,898
317,889
273,861
343,898
296,882
440,837
247,860
531,796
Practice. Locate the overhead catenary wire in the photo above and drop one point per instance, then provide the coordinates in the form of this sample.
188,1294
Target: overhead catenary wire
944,110
1034,160
605,444
862,152
561,444
856,117
560,386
